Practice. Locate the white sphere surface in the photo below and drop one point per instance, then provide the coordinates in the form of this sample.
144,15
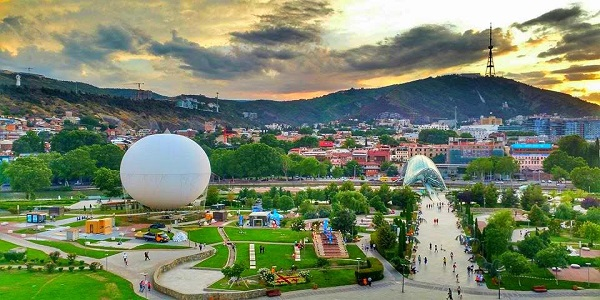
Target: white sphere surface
165,171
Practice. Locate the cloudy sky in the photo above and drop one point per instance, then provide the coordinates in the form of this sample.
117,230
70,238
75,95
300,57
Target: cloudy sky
259,49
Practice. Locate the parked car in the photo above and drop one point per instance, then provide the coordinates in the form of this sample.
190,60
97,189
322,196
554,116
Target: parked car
157,226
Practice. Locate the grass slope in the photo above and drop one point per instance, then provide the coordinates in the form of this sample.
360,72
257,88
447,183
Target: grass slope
31,253
17,285
218,260
281,235
68,247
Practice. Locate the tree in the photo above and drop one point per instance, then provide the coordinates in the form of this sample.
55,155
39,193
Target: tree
388,140
516,264
564,211
537,216
28,174
307,141
480,167
76,164
531,245
297,224
385,193
352,169
106,156
366,190
349,143
305,130
497,233
490,195
377,204
337,172
509,198
562,159
559,173
402,196
436,136
386,238
212,195
258,160
591,231
234,271
329,192
352,200
29,143
286,202
68,140
532,195
506,165
552,256
573,145
347,186
478,193
378,220
344,220
309,167
586,178
108,181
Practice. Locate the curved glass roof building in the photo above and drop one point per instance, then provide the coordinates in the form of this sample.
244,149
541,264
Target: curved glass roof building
421,169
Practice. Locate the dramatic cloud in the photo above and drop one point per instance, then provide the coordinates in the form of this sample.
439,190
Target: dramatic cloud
581,77
592,97
98,46
578,69
427,47
579,37
294,22
207,62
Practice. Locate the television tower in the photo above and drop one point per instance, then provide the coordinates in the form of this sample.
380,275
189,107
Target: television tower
490,71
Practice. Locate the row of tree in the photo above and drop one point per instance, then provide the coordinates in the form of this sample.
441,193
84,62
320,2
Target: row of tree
504,166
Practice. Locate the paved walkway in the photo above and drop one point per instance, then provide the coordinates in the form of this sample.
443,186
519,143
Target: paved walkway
186,280
519,234
444,236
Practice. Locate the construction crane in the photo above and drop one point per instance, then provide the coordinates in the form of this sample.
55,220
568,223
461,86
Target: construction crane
139,90
29,69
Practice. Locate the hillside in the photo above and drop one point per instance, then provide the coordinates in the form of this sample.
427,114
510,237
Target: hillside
421,100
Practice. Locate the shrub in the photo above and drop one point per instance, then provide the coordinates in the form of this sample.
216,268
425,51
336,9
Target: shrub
14,256
375,271
71,268
41,261
322,262
81,268
95,265
305,274
54,256
71,257
9,268
81,262
29,266
19,267
50,267
60,269
1,268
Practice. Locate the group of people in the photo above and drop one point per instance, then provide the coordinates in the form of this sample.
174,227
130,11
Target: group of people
436,221
126,261
145,284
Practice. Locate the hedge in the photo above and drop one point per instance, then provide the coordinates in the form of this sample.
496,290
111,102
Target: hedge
375,271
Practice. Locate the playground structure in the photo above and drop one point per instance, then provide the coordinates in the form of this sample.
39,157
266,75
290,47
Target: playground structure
329,243
259,218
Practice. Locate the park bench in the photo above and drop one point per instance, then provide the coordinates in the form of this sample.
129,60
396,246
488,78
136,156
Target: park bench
540,288
273,293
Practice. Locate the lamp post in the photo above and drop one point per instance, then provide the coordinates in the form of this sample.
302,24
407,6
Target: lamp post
404,267
358,264
588,267
556,274
106,262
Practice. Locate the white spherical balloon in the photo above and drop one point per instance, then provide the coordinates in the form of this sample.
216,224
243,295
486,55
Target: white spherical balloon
165,171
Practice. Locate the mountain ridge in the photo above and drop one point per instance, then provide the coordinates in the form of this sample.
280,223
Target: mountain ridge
422,100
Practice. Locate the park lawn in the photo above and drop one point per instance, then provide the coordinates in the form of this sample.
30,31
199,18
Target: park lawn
68,247
281,235
80,223
17,285
159,246
275,255
355,252
512,283
223,284
218,260
208,235
31,230
30,255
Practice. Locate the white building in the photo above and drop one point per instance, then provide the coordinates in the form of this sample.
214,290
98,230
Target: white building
479,132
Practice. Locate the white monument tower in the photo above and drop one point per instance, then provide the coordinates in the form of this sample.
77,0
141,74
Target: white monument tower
18,80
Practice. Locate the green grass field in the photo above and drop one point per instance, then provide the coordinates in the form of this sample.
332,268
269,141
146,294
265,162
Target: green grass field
208,235
68,247
218,260
17,285
512,283
282,235
31,253
275,255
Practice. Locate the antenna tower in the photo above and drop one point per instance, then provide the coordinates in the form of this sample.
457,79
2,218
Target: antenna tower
490,71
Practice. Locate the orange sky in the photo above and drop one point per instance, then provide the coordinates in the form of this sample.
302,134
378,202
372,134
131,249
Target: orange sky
286,50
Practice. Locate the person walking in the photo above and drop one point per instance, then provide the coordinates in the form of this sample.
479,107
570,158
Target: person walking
444,261
451,255
146,256
458,291
419,259
370,280
125,258
435,249
454,267
456,278
449,294
429,246
142,286
425,260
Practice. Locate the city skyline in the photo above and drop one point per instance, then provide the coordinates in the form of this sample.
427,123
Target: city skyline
285,50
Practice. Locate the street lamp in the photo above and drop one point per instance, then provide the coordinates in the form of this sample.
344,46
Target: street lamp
588,267
358,264
106,262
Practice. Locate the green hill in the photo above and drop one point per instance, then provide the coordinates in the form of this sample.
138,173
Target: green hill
424,100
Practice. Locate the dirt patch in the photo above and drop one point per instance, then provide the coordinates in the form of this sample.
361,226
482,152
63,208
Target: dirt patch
96,277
